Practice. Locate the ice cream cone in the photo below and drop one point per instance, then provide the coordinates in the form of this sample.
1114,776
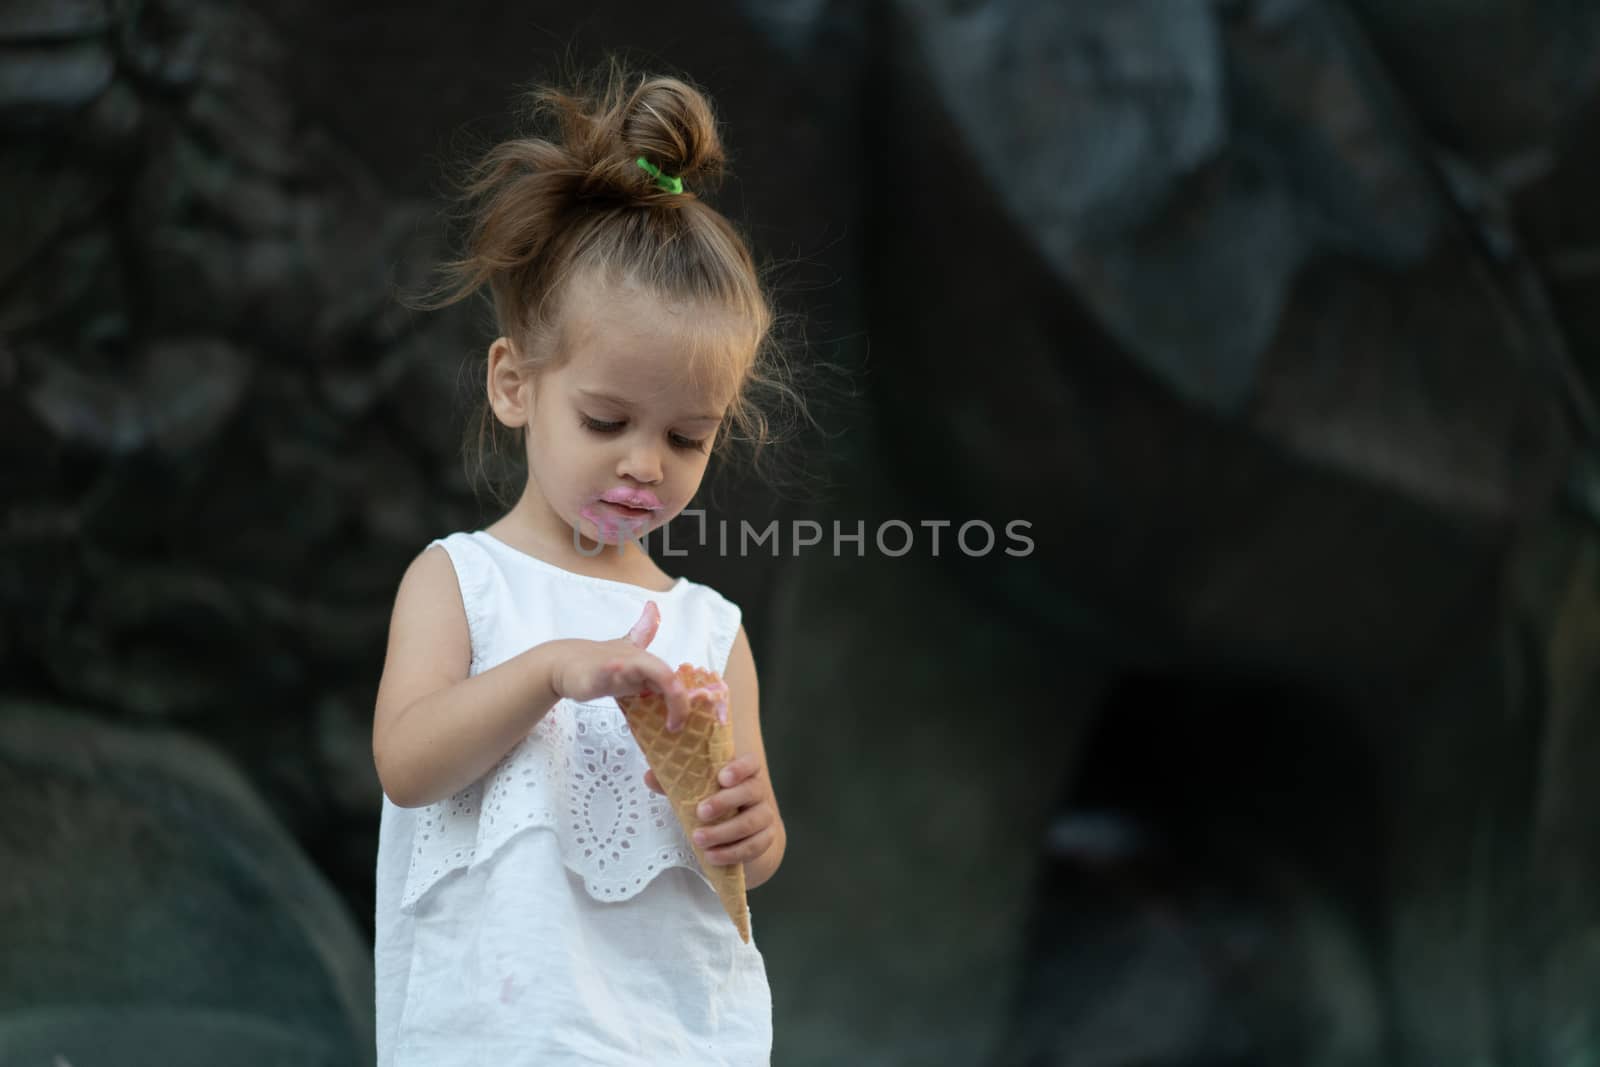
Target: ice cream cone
686,764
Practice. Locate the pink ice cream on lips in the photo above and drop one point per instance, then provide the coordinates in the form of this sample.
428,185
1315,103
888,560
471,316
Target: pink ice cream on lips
642,499
621,507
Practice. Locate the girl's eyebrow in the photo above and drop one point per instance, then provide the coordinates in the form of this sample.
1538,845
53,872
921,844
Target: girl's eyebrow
628,405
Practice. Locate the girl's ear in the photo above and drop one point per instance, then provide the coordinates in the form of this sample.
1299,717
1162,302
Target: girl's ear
510,387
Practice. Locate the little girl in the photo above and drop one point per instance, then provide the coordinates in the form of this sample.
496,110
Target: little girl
537,900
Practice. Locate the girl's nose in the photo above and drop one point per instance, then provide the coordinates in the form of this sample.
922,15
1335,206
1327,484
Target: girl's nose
642,464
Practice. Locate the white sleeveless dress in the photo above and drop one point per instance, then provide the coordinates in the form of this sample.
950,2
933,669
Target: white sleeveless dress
552,912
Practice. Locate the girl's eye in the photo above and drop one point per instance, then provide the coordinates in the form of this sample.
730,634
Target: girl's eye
678,441
688,445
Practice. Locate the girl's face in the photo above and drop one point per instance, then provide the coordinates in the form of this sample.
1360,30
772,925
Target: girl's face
620,433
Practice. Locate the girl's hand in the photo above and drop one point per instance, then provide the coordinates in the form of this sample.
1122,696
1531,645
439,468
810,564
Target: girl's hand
622,667
747,835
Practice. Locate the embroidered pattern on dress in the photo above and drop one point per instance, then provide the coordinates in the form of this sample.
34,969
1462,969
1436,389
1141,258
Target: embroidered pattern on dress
579,773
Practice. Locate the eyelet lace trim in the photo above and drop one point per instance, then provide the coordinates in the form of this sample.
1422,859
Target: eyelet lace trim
580,774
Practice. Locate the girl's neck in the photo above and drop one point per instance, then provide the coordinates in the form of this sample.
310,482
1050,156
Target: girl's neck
624,562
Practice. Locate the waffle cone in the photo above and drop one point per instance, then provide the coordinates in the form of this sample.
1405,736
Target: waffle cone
686,764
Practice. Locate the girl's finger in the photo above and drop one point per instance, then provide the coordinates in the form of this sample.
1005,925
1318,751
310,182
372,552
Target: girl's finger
644,631
740,826
629,675
738,770
677,701
725,800
650,674
743,851
651,782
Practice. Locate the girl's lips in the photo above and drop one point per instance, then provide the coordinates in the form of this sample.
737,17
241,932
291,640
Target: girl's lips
623,509
640,499
620,512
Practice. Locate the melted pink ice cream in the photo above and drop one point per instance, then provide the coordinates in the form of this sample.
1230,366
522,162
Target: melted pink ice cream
645,629
716,692
611,523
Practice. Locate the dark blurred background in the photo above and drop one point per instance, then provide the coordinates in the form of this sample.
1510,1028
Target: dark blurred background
1279,321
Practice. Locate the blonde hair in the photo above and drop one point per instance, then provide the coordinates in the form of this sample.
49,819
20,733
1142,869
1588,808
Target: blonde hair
571,201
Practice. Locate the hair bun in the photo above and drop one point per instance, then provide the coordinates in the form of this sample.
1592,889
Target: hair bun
670,123
607,125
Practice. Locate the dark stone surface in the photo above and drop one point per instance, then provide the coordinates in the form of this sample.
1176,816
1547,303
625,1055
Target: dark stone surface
1264,508
152,906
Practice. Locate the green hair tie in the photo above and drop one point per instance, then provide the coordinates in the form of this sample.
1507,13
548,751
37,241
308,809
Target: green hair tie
666,181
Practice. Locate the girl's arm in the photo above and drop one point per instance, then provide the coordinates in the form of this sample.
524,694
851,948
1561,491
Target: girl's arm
744,699
435,730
